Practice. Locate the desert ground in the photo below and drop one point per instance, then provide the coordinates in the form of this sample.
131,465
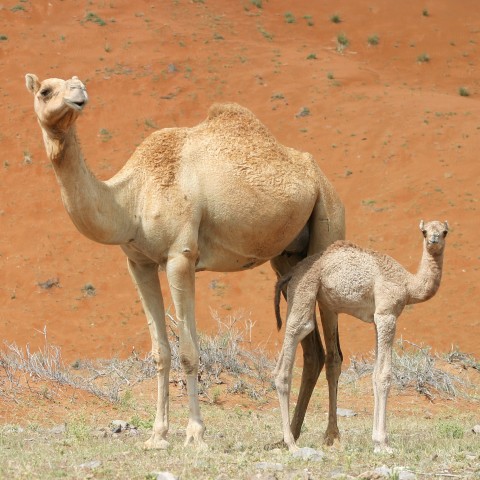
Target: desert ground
384,94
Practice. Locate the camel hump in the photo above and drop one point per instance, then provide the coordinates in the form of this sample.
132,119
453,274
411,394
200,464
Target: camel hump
231,120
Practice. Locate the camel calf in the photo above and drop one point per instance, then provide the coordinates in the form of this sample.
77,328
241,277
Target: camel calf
365,284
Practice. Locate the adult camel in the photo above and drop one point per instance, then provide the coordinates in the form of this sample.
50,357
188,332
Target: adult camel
222,196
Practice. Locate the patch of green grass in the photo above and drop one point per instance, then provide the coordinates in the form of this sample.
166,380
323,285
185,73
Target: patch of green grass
312,56
463,91
93,17
373,39
309,20
423,58
290,17
267,35
450,429
18,8
342,39
335,18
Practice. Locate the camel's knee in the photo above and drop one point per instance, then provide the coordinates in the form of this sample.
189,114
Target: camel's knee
382,380
282,383
189,360
162,359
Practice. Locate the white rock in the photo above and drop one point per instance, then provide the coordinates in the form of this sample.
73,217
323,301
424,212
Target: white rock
307,453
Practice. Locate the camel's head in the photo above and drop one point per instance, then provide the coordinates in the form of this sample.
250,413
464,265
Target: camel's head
57,102
434,234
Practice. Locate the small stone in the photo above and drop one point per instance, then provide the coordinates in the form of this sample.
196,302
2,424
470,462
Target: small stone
119,426
307,453
345,412
476,429
91,465
57,429
278,467
164,476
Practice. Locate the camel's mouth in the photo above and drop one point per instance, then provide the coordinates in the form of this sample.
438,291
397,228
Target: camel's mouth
75,104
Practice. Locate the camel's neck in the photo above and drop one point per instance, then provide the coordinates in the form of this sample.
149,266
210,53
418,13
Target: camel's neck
92,205
424,284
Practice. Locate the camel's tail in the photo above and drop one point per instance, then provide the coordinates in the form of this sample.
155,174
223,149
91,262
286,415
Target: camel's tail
278,290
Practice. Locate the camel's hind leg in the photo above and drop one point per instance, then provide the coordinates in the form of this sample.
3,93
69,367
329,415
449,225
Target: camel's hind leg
298,326
327,225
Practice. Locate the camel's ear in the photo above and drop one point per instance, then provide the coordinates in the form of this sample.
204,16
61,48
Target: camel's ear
32,83
445,224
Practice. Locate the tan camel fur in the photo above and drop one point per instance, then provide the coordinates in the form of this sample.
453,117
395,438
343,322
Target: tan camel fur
221,196
365,284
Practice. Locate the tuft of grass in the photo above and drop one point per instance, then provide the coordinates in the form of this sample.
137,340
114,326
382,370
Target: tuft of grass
312,56
373,39
265,34
257,3
3,38
342,42
290,17
335,18
309,20
278,96
94,18
425,12
423,58
463,91
330,76
450,429
18,8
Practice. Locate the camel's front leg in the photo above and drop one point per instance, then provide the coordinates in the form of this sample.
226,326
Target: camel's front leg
382,375
333,366
145,278
181,278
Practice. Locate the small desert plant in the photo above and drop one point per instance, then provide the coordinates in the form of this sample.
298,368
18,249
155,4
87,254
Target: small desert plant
290,18
93,17
423,58
3,38
373,40
330,75
450,429
425,12
335,18
342,42
309,20
17,8
312,56
257,3
463,92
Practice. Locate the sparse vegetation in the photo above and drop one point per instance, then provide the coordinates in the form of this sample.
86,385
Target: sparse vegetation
335,18
423,58
373,39
94,18
342,42
309,20
3,38
463,91
425,12
265,34
290,17
86,442
18,8
257,3
312,56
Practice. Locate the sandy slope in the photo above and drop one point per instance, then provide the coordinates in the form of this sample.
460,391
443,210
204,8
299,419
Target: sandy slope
393,135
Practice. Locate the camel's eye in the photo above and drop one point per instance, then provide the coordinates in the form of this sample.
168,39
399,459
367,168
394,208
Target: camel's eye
45,92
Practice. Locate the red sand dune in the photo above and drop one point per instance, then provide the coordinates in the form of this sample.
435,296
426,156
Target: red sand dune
392,133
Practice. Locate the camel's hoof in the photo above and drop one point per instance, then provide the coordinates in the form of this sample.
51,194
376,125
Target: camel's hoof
272,446
156,442
332,439
195,431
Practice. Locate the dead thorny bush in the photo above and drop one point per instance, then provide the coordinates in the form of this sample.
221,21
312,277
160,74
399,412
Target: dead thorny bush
413,366
220,354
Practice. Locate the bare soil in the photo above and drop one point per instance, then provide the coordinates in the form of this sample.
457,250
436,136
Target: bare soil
391,132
